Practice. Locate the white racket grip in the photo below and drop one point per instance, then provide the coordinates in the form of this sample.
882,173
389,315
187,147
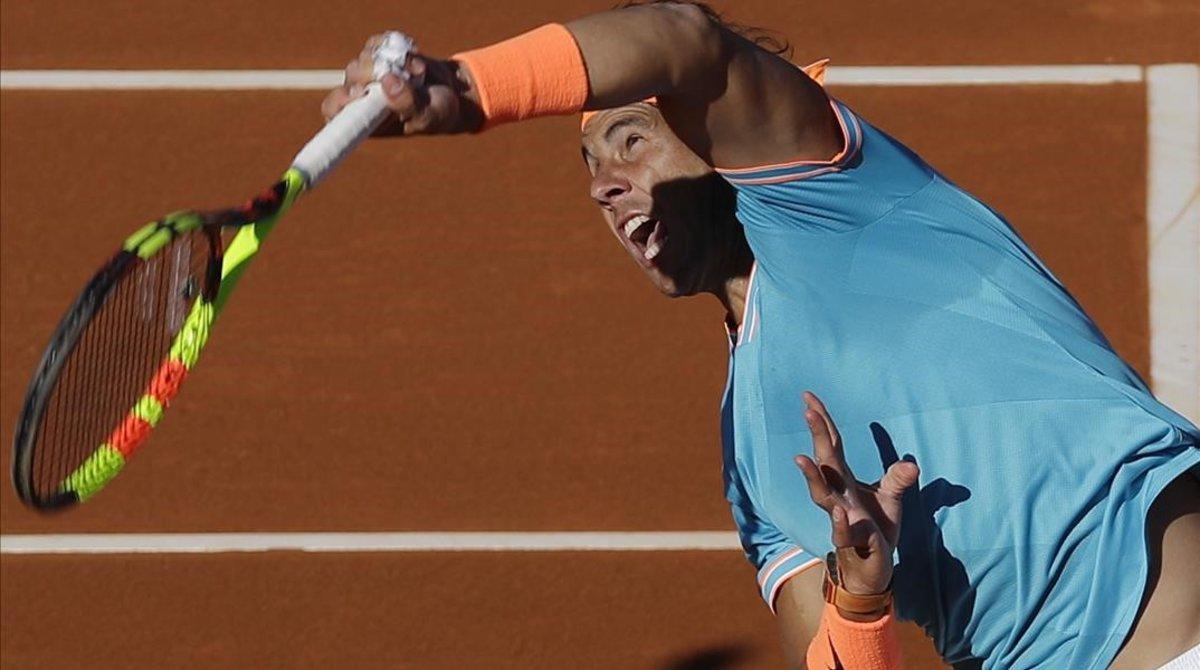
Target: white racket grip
338,138
358,119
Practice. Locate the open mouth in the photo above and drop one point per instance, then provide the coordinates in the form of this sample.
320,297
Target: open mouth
647,235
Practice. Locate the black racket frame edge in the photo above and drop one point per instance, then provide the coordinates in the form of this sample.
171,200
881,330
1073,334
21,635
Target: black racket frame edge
62,344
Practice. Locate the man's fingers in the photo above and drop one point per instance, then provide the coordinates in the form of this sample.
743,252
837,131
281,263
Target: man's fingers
822,440
360,72
827,444
334,102
818,490
899,478
372,43
842,537
416,68
402,100
814,403
832,467
862,536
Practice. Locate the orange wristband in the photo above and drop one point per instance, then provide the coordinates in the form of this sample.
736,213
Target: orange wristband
850,644
539,73
820,655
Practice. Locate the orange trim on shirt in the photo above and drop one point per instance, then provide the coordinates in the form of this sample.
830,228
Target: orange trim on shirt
847,145
778,585
779,179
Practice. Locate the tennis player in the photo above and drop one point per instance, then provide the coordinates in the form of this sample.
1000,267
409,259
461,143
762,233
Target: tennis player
1057,517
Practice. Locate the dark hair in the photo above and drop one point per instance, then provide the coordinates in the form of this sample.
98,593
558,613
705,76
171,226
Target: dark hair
768,40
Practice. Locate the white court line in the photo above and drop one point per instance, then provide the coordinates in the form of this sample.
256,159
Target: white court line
1173,225
901,75
972,75
203,543
169,79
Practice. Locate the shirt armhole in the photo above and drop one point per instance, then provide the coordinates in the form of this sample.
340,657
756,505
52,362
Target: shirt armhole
803,169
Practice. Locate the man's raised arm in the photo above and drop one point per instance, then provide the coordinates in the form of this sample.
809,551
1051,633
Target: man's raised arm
732,102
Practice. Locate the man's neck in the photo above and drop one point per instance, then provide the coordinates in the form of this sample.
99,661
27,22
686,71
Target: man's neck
733,297
733,287
729,277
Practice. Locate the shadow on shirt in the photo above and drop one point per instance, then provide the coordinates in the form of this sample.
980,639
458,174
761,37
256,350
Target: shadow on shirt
943,604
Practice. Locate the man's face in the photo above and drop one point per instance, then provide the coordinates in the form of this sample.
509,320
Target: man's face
659,199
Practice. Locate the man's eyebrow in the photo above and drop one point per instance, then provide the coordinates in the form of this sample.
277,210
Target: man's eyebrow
612,130
621,123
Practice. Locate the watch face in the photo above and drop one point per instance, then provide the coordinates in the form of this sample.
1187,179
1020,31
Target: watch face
831,568
829,585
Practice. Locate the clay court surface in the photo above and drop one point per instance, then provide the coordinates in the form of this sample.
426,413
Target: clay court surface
445,338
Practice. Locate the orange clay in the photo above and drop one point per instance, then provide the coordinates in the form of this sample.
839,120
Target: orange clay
815,71
539,73
840,643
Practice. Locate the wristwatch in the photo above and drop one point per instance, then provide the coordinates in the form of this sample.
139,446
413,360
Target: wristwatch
834,594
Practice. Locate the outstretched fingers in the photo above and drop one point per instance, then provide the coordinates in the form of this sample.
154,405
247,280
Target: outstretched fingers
823,449
842,537
815,404
888,503
827,446
901,476
818,488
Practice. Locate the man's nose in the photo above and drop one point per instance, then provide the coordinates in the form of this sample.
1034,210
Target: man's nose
608,188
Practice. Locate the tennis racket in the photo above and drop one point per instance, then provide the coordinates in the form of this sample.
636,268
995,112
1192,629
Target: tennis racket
132,337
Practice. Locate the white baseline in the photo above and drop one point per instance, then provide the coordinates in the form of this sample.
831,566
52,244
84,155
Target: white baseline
897,75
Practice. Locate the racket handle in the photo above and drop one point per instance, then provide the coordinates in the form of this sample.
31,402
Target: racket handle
358,119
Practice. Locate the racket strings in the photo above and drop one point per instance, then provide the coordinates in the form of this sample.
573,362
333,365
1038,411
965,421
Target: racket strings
117,355
83,398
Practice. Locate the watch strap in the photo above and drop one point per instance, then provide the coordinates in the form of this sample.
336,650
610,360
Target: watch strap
844,600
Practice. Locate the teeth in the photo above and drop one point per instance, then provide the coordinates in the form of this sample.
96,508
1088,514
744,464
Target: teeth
652,250
635,223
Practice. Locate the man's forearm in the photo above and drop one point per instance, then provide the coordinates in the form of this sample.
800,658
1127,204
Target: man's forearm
731,102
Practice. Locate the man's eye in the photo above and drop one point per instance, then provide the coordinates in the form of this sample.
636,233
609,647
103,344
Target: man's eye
632,140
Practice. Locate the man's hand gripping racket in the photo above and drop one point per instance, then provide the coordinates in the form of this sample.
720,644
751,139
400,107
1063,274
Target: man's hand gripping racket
121,352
